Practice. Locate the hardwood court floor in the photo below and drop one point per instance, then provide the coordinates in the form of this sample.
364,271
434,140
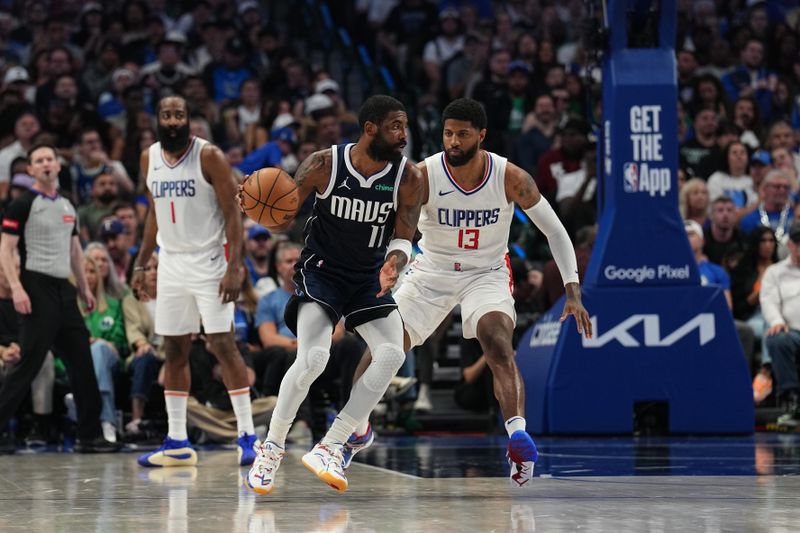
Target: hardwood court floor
425,485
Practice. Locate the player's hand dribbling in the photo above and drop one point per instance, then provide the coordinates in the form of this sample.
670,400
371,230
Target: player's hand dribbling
230,285
240,189
574,307
388,275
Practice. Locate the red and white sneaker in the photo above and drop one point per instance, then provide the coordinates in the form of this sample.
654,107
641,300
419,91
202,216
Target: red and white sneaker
522,455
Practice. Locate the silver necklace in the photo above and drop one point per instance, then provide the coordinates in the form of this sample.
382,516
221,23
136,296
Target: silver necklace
781,229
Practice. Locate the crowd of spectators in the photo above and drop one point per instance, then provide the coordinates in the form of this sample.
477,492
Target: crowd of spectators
85,77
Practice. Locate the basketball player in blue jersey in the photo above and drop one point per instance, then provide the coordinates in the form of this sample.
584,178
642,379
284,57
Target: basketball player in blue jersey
191,189
468,197
357,239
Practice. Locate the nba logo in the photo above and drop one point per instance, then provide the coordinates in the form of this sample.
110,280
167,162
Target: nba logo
630,171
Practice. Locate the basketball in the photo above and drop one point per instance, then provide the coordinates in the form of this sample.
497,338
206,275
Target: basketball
269,197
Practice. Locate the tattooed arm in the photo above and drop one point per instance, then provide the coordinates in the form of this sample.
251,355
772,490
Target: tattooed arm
409,198
521,189
409,205
313,174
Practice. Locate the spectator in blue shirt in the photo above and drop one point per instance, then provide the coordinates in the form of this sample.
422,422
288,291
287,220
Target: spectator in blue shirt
272,153
225,78
774,210
257,247
275,336
751,77
710,273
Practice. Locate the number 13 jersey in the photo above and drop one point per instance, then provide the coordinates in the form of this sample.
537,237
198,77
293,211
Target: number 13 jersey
463,229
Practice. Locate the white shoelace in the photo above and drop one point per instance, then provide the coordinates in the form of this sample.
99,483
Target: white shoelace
267,460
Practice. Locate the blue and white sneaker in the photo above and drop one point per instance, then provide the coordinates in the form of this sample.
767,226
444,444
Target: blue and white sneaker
246,449
355,444
172,453
522,454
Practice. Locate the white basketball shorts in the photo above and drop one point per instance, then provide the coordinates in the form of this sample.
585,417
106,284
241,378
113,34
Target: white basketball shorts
426,296
188,292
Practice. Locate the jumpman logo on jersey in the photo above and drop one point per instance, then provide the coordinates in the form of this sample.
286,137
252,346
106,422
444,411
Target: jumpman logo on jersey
344,184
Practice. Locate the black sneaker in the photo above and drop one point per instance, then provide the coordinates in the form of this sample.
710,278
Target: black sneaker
791,410
7,444
98,445
789,420
790,401
38,437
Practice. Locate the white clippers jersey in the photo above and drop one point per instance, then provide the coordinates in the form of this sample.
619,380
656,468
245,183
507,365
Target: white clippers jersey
188,213
465,230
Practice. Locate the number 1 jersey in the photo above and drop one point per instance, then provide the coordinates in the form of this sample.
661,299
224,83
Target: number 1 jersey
353,219
187,210
463,229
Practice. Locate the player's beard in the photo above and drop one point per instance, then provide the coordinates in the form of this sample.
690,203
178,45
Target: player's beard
380,150
463,158
176,143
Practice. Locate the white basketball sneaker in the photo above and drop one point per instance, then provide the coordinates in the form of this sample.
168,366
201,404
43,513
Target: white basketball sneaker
326,462
261,477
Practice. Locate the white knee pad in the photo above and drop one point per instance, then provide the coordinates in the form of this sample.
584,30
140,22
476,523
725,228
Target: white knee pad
315,361
386,361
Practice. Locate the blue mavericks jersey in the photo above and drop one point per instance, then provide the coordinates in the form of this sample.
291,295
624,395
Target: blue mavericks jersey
353,219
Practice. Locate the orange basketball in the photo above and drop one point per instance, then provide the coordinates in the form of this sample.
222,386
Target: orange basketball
269,196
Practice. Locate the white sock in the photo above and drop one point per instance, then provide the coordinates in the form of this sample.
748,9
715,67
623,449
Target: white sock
240,400
362,428
515,423
176,413
278,429
424,390
341,429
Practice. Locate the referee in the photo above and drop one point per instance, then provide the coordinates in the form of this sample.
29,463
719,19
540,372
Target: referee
43,226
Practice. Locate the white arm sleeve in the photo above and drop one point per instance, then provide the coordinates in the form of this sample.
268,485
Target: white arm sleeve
401,245
545,218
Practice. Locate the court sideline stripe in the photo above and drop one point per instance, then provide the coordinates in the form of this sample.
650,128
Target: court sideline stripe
395,472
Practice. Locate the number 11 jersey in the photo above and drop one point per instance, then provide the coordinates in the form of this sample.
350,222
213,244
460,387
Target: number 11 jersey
465,230
353,219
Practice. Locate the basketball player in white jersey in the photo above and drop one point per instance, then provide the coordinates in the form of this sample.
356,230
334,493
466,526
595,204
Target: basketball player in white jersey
468,196
191,190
